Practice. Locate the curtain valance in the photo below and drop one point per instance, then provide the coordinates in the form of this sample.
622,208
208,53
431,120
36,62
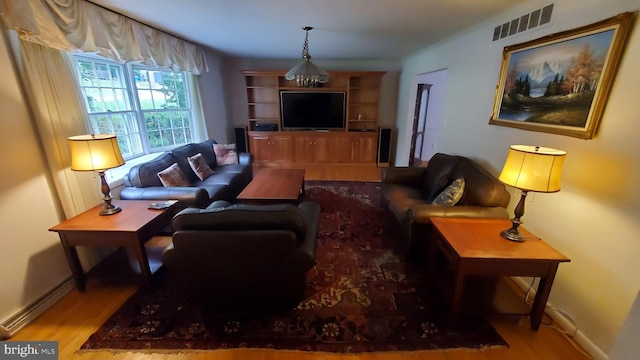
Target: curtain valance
78,25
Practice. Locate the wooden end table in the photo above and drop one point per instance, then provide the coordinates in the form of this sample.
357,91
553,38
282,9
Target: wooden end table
272,185
475,247
131,228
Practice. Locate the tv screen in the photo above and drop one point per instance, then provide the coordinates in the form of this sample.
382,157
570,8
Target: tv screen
312,110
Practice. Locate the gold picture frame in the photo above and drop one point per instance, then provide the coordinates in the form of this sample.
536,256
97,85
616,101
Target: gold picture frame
560,83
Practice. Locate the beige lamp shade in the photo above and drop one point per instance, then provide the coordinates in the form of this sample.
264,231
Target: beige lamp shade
95,152
533,168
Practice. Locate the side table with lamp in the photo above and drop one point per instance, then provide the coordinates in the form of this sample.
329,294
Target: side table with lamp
481,247
123,223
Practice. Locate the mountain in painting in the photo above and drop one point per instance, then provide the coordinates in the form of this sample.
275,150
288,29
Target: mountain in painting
542,74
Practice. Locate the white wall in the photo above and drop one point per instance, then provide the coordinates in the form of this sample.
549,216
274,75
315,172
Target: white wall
31,261
214,101
594,219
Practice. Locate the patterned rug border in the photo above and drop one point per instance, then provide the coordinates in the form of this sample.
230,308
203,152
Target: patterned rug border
301,352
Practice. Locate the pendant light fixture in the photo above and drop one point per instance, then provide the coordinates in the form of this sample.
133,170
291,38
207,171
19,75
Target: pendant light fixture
306,73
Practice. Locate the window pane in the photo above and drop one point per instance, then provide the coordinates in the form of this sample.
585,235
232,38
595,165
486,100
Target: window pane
151,121
100,124
154,139
167,137
86,73
159,100
146,102
109,100
121,99
163,120
182,99
102,72
118,124
92,98
179,136
176,121
116,77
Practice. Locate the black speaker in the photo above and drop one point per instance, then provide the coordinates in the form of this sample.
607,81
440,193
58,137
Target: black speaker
384,146
242,141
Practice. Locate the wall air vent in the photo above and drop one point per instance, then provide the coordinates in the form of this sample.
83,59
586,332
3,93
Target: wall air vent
523,23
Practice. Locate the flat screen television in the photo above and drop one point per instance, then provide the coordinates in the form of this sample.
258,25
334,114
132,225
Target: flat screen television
312,110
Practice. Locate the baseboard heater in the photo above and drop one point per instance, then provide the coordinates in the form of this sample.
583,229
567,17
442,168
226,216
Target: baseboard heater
11,326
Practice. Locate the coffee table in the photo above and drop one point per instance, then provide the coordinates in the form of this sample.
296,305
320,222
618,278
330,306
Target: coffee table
130,228
272,185
474,247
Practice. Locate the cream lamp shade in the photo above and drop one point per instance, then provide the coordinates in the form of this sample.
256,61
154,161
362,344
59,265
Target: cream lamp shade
533,168
95,152
530,168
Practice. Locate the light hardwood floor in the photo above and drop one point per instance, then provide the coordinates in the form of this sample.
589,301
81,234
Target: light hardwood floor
78,315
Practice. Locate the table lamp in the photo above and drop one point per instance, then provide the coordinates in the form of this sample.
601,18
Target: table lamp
97,152
530,168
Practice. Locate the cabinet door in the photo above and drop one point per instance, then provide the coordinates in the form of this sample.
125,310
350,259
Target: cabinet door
260,145
365,148
342,151
323,148
281,148
303,148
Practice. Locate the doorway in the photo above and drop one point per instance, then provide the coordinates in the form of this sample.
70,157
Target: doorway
419,125
426,118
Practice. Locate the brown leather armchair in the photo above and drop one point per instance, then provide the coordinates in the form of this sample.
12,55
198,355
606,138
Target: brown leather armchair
407,194
244,255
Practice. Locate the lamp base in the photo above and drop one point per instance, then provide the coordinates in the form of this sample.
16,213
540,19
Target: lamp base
110,209
512,234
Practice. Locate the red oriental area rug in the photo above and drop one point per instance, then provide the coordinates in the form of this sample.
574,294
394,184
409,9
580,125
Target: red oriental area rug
361,297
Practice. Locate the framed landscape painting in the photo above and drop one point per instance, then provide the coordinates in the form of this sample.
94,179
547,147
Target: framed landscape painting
560,83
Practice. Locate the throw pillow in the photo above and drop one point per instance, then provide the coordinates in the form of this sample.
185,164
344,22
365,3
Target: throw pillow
225,154
173,176
199,166
451,194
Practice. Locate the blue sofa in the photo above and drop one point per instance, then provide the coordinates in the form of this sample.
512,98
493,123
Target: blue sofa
227,181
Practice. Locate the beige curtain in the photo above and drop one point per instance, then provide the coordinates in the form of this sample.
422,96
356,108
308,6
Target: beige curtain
199,127
78,25
49,80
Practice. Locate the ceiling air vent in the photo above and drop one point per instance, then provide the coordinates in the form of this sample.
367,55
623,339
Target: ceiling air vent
525,22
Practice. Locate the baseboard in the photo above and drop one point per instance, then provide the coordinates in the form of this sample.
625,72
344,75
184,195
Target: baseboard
23,317
566,325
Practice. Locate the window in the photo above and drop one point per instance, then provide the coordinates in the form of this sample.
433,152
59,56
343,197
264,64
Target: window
148,109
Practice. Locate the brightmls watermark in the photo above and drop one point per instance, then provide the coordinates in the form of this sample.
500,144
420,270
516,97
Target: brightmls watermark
40,350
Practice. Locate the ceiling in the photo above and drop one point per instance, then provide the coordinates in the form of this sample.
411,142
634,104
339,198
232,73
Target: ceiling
343,29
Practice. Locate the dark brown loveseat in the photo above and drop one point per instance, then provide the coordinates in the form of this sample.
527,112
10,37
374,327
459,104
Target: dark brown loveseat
407,194
249,256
